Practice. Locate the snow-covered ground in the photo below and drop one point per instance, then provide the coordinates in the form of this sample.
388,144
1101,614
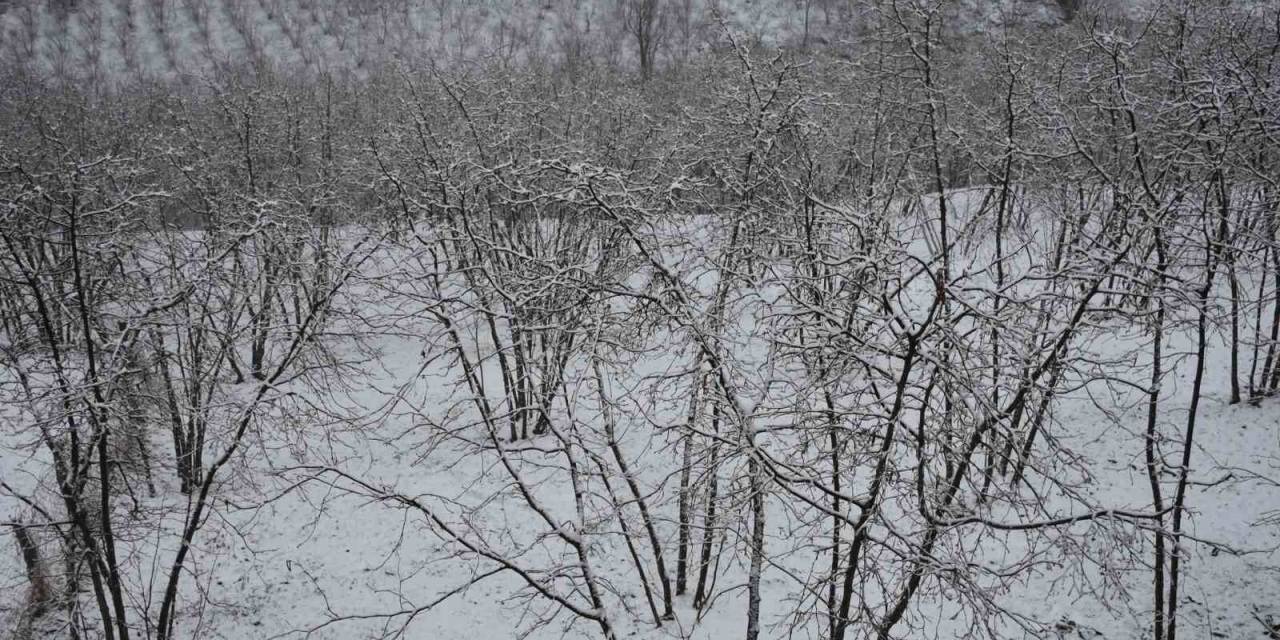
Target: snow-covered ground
296,548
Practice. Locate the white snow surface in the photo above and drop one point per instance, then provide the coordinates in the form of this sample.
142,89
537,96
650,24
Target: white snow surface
287,557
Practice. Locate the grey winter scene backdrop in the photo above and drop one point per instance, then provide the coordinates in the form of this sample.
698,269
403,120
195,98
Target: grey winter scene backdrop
639,319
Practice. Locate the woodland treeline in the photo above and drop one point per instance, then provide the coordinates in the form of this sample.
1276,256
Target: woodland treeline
852,359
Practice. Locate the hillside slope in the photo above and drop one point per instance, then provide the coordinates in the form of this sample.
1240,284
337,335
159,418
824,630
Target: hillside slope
116,40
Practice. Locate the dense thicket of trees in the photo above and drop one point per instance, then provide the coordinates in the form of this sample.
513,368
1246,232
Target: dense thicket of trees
844,355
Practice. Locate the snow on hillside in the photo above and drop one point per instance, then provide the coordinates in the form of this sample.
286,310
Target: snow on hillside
185,40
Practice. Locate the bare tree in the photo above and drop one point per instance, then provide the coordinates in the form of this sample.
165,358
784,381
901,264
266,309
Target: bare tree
645,22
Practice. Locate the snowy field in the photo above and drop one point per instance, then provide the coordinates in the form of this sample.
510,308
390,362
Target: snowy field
312,533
